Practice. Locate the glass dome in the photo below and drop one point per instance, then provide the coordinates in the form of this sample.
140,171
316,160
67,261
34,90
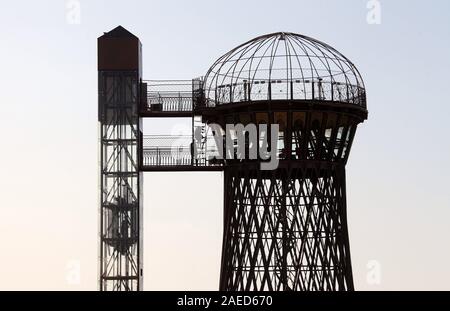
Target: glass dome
283,66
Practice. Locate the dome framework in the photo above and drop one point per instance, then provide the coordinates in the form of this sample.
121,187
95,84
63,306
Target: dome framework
283,66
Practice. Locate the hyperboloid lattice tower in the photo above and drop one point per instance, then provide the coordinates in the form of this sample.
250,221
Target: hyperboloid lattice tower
285,226
286,229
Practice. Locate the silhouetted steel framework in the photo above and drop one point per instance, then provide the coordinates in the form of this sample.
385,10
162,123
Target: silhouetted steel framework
120,183
284,229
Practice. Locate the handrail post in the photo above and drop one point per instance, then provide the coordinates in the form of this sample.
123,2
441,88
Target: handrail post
158,160
245,90
348,99
269,88
216,100
332,91
292,88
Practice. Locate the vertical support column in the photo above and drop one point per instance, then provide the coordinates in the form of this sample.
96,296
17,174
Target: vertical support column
119,74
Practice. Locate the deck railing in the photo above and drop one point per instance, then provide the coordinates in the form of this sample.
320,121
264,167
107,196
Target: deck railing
260,90
178,95
169,95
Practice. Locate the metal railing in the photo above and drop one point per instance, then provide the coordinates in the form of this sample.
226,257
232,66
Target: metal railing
166,150
179,95
163,156
177,150
170,103
169,95
286,90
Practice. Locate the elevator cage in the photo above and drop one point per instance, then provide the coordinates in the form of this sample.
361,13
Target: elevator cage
285,228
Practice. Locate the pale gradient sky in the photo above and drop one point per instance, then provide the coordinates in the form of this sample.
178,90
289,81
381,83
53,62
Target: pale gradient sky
398,197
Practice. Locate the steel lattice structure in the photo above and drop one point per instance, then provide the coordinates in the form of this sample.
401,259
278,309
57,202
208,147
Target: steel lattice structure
284,232
120,180
283,228
286,229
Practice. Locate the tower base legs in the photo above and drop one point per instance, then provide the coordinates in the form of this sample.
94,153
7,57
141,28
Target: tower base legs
285,229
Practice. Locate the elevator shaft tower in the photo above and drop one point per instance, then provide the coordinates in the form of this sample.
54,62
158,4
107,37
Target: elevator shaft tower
119,80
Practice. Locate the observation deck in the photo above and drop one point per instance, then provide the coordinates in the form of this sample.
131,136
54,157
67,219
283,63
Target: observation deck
273,74
185,98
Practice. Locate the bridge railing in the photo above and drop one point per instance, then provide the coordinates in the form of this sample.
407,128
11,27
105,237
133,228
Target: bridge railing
176,150
169,95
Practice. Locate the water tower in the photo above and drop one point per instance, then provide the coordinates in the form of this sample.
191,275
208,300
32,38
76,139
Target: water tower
285,227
